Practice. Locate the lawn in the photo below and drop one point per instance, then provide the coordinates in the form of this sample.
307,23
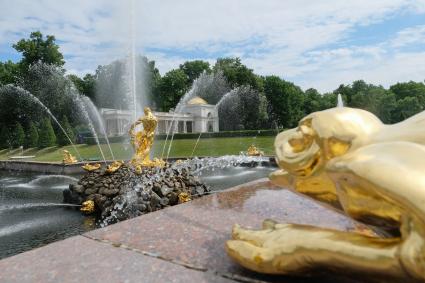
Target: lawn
180,148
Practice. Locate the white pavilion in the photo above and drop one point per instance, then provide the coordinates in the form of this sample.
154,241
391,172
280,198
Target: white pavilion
197,116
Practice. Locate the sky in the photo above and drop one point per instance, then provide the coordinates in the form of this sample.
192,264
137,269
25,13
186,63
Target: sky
315,43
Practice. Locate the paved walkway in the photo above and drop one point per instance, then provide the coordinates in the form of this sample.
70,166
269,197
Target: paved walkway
184,243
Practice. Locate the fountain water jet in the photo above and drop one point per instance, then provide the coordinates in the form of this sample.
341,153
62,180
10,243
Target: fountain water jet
85,113
340,102
36,100
93,109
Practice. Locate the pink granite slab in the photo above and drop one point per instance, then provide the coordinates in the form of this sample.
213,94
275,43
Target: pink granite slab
80,259
194,233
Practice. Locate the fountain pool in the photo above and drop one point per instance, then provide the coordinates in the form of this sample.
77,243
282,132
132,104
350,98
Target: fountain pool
32,213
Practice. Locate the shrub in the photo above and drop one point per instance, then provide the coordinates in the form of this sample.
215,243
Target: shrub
4,137
61,137
17,136
46,136
32,136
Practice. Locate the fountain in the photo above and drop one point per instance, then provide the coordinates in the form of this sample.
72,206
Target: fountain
21,91
93,109
340,102
116,193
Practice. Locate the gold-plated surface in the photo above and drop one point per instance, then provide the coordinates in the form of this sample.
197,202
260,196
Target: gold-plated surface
114,166
91,167
87,207
374,172
254,151
68,158
184,197
142,142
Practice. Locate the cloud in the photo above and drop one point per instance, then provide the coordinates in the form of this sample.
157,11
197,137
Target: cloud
301,40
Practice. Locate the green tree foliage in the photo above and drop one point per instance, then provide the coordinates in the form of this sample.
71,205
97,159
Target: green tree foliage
312,101
17,135
171,88
286,101
9,72
46,134
193,69
236,73
31,138
4,137
61,137
406,108
37,48
410,89
86,85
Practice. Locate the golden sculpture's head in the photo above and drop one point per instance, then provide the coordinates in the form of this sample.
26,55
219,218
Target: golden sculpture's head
147,111
321,136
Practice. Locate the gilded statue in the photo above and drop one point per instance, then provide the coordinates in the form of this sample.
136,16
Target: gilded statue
374,173
142,141
87,207
91,167
254,151
114,166
68,158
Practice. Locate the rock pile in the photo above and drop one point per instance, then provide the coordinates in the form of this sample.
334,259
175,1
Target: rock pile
125,194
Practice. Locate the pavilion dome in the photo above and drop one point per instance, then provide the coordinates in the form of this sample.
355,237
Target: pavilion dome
197,101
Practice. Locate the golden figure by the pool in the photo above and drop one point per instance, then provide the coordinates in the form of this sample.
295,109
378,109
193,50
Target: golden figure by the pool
374,172
142,141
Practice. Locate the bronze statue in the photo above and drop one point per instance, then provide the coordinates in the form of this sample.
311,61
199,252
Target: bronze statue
374,172
142,141
68,158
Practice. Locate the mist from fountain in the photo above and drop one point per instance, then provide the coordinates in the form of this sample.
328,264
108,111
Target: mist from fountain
93,109
227,96
22,91
196,144
132,59
209,86
340,102
78,100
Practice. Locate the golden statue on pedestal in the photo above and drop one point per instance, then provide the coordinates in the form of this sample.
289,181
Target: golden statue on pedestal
374,172
68,158
142,141
91,167
114,166
254,151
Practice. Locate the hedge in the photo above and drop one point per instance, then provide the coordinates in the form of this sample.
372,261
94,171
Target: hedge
179,136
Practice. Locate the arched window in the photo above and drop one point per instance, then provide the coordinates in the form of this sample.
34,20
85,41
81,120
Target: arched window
209,115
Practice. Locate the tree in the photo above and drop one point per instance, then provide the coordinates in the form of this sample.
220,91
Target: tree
37,48
4,137
236,73
61,137
46,134
193,69
406,108
31,136
17,136
9,71
312,102
286,101
410,89
171,88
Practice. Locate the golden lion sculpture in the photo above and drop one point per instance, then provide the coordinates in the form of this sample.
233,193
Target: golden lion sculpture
375,173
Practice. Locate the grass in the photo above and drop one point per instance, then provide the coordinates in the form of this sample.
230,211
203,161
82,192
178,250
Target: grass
180,148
